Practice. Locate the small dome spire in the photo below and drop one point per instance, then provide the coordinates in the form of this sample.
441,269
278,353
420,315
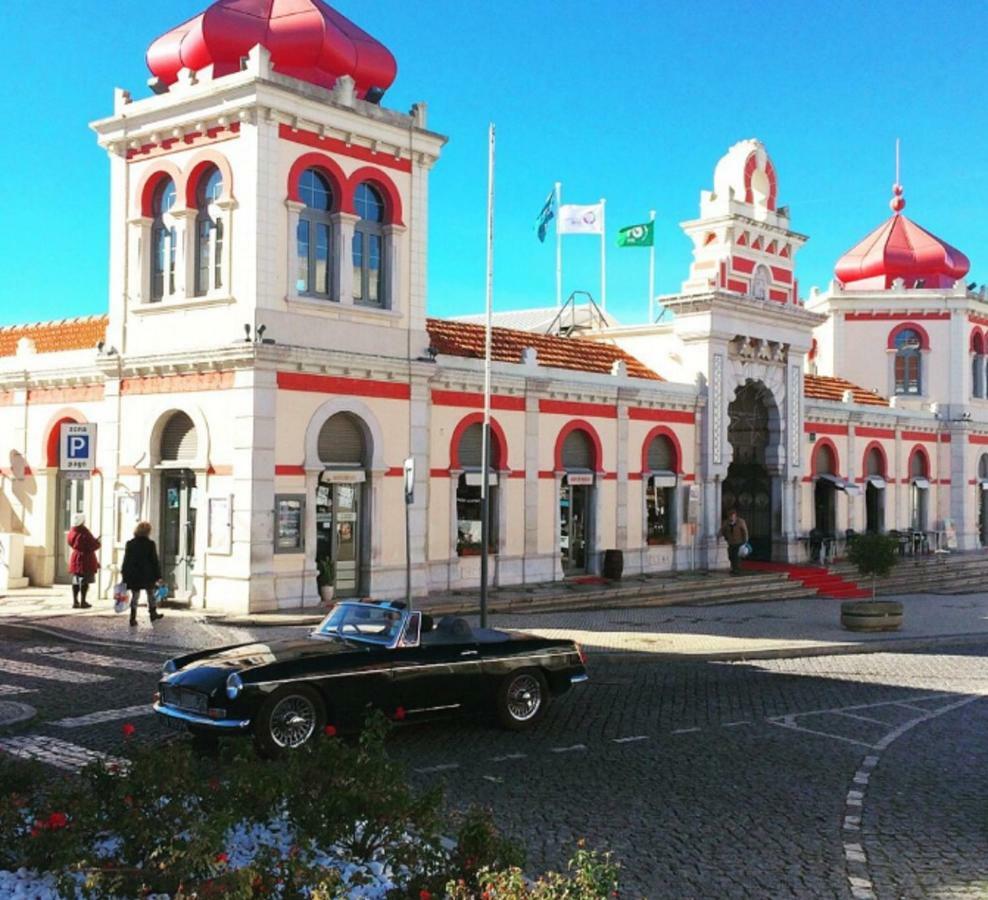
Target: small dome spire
898,202
307,39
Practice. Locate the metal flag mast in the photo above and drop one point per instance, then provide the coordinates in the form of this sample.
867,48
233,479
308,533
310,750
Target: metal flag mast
485,453
651,271
603,257
559,247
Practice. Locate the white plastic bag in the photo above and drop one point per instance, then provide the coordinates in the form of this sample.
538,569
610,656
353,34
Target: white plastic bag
121,598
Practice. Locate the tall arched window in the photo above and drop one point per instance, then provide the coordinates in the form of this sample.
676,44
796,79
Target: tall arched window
660,491
163,241
977,365
368,247
468,501
908,362
314,236
209,233
919,477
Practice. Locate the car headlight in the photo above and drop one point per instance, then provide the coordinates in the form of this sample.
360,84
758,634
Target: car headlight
234,686
169,668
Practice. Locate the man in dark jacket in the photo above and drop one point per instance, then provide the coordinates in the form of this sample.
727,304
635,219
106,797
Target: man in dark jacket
141,570
735,532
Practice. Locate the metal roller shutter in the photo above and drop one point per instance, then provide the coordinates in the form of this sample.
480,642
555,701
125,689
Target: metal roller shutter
577,451
661,455
341,442
472,446
179,442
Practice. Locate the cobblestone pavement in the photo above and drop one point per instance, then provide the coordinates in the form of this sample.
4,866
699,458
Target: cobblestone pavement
830,776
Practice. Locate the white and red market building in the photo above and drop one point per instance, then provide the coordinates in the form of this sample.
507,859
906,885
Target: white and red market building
266,363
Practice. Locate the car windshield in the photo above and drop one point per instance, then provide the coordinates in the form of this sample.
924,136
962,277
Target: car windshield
361,621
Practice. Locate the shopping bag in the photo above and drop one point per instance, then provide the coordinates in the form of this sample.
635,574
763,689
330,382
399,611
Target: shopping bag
121,598
160,593
745,550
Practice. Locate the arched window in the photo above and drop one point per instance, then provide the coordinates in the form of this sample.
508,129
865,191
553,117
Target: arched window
163,242
209,233
468,500
874,463
179,441
977,365
760,282
919,475
660,491
314,235
908,362
368,247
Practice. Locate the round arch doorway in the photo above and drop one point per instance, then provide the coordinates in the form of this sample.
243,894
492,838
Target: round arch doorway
753,432
178,452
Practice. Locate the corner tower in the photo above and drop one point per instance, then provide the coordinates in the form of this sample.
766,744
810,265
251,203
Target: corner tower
264,184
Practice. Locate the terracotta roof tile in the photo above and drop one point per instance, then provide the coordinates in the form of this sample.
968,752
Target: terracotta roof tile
826,387
467,340
52,337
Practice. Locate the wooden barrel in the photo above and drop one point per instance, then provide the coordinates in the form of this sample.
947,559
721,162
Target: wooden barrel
871,615
613,564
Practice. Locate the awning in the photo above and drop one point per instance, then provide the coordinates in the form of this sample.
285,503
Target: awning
984,484
853,490
337,476
836,481
663,479
921,483
476,478
877,481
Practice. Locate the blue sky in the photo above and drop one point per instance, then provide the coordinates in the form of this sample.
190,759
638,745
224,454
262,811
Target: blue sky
634,102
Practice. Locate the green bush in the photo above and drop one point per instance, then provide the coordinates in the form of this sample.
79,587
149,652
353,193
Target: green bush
160,824
874,555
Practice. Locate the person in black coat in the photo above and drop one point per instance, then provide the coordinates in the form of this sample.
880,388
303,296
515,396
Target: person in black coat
141,570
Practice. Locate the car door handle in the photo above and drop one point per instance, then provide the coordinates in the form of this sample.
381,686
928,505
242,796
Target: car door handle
470,653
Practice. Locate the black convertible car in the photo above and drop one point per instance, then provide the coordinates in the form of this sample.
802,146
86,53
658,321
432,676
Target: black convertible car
366,656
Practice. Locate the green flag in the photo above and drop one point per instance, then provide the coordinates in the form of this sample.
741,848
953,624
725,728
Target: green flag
637,235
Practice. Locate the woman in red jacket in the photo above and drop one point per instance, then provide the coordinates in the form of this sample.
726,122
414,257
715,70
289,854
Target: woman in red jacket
83,564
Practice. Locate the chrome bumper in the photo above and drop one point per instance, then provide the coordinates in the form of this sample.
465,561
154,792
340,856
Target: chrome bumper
192,719
579,679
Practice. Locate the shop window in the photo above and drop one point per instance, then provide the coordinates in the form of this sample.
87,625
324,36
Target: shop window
368,247
163,241
314,238
209,233
469,518
908,362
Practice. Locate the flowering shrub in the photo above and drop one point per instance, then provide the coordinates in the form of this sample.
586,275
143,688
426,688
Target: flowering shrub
335,821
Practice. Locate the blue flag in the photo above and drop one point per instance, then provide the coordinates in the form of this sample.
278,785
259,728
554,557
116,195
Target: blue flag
546,216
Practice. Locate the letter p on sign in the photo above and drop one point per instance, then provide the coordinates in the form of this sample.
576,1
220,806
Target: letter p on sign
78,445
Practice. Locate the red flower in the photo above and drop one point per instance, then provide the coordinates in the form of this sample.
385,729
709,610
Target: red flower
222,859
58,820
329,731
400,713
35,831
469,862
214,784
128,730
128,800
424,895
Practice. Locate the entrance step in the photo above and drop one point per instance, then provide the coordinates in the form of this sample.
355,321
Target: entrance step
823,582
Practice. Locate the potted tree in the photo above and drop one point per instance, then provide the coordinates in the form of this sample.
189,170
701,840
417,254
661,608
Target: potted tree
874,555
326,579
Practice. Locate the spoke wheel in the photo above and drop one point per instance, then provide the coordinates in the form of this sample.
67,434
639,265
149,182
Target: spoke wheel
522,699
289,720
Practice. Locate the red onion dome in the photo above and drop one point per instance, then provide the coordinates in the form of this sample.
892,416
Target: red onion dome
899,248
307,39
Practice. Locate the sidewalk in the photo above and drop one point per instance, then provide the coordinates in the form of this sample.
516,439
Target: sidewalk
798,627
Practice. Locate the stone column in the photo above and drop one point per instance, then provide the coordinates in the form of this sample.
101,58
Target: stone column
343,228
419,423
531,466
291,263
225,210
621,486
393,239
140,253
185,257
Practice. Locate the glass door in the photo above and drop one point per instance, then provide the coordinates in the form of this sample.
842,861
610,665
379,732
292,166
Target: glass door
71,503
573,527
338,526
179,502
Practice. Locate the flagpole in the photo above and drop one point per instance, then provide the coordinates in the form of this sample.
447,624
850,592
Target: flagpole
559,248
651,271
603,257
485,451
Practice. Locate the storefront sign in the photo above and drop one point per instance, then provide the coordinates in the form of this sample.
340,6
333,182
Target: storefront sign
474,479
331,477
77,447
575,479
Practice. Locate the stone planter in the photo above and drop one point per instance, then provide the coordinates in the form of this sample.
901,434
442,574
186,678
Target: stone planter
871,615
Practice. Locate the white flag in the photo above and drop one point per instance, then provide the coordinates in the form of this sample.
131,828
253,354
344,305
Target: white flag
574,219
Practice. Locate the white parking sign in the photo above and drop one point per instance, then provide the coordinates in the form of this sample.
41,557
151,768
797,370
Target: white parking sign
78,447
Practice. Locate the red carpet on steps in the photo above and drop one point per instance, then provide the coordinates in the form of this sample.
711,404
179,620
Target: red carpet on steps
822,581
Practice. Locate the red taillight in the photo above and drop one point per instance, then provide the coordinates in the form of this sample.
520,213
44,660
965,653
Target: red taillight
581,654
215,713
